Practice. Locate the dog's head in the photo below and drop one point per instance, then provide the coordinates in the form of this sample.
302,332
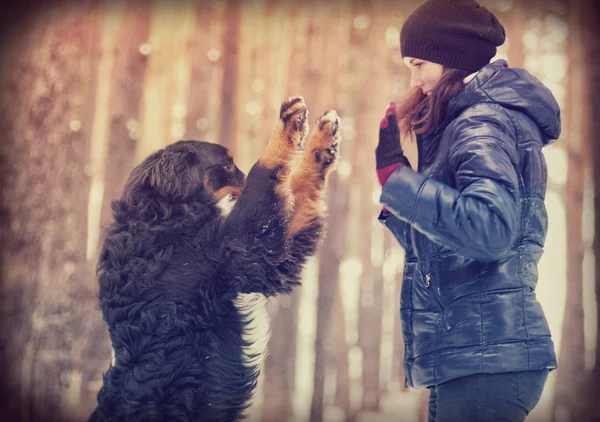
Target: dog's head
184,172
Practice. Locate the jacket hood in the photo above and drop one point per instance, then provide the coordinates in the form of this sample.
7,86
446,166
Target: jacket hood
515,89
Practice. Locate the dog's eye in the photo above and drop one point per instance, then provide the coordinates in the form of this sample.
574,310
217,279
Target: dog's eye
229,167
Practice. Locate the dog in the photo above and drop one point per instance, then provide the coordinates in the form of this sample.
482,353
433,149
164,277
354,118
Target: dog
195,249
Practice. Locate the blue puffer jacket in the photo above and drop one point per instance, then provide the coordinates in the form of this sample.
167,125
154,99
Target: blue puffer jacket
473,223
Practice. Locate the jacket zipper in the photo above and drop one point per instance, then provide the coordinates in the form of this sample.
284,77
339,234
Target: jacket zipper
435,292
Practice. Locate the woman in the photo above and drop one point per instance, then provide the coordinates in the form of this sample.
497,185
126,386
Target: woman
471,218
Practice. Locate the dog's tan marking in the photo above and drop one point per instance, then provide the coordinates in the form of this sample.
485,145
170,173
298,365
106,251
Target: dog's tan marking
310,177
288,135
228,190
285,146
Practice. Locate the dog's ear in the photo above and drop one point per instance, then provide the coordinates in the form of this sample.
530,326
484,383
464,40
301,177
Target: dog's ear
176,175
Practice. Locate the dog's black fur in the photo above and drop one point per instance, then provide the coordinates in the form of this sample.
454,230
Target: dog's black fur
170,272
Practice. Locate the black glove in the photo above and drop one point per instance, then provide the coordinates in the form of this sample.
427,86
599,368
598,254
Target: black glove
389,150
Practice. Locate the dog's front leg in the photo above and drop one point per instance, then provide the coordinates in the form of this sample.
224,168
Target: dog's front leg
308,186
255,234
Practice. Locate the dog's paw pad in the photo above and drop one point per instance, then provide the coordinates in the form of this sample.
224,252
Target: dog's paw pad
324,142
329,123
294,115
327,137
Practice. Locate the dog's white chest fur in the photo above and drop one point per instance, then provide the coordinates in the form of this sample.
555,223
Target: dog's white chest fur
253,308
226,204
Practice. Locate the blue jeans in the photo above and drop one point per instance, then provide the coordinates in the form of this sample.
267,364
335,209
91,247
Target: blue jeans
504,397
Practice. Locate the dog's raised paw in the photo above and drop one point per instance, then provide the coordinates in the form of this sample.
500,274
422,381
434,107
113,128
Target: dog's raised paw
329,121
293,114
324,142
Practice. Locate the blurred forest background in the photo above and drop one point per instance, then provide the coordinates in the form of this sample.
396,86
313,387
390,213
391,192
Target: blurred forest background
90,88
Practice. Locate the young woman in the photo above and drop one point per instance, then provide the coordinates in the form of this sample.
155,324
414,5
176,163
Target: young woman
471,217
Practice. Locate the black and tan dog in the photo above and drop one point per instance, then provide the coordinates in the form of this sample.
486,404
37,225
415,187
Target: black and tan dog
192,253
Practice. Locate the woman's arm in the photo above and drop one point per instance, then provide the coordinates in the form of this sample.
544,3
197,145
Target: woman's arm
479,218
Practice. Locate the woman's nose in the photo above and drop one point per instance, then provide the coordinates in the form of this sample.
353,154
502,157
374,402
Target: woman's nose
415,81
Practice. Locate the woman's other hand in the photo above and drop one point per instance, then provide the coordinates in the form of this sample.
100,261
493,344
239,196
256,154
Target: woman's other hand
389,154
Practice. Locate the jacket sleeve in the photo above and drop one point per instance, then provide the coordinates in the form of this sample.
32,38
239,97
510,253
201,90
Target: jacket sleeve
397,227
479,218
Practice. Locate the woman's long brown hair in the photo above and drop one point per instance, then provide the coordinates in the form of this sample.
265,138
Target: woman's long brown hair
420,113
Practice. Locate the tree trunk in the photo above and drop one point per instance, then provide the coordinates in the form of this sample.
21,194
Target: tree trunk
229,87
128,74
569,386
46,102
516,24
591,32
322,67
375,95
200,43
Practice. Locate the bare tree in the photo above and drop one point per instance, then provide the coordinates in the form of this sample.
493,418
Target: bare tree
569,386
590,26
46,103
230,65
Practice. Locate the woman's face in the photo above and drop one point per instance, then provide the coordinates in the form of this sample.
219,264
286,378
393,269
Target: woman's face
423,74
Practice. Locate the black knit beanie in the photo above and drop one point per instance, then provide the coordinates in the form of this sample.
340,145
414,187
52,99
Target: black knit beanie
459,34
